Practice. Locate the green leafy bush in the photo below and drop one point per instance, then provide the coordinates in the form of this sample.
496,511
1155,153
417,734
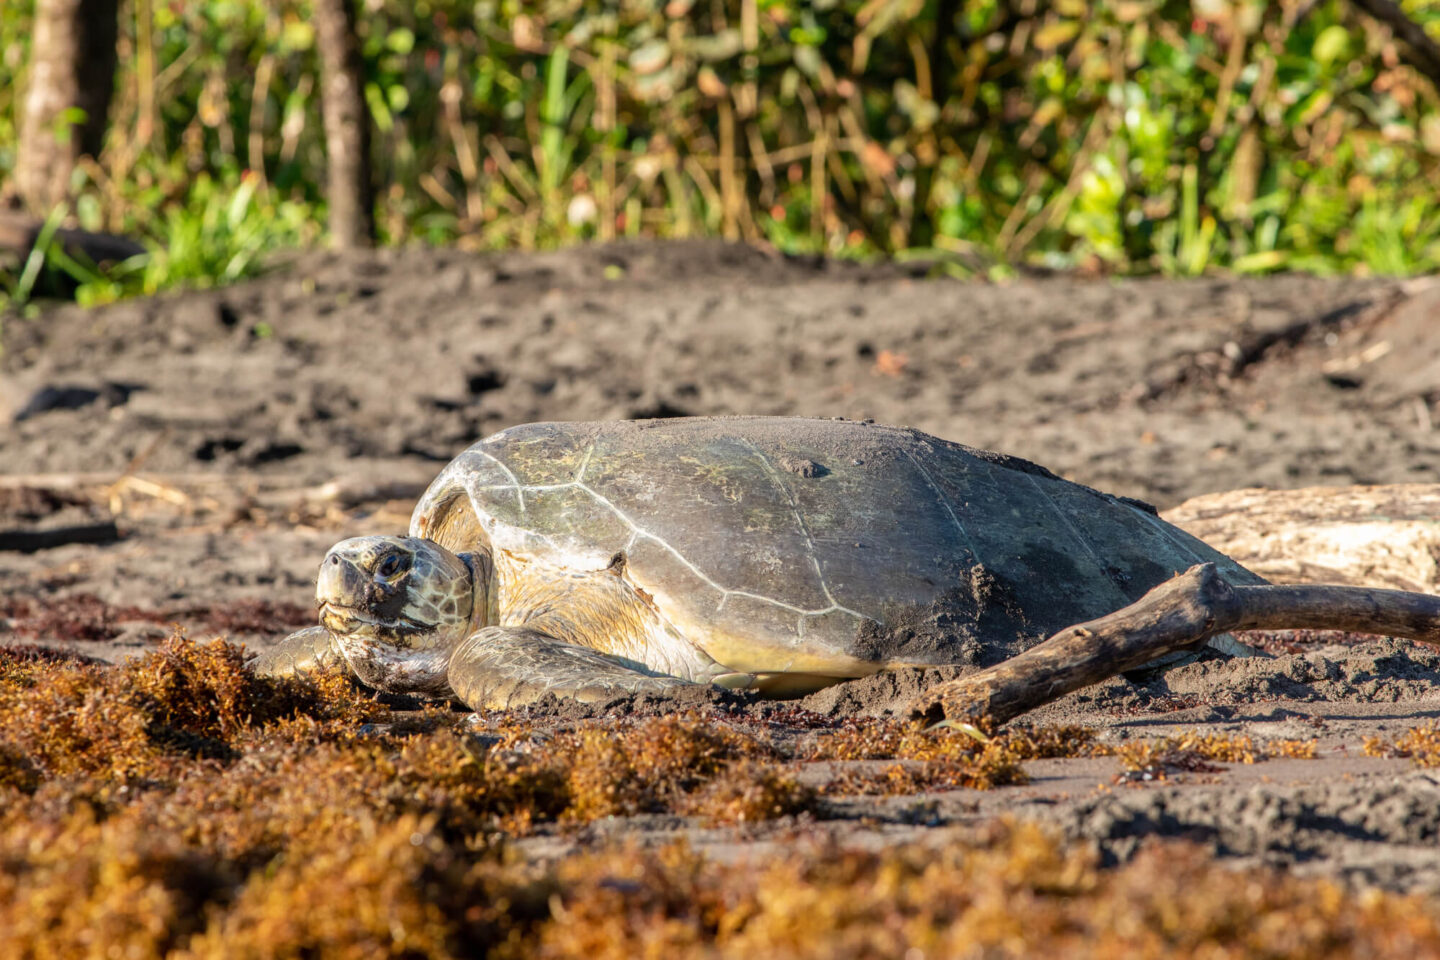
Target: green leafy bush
1120,135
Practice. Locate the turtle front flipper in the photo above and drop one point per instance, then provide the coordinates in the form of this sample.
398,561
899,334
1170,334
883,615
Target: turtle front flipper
503,667
304,651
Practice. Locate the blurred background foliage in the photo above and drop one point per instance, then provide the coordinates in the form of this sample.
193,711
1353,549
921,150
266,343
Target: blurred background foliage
1125,136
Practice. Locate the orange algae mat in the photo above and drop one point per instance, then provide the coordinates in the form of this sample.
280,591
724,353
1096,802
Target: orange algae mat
180,806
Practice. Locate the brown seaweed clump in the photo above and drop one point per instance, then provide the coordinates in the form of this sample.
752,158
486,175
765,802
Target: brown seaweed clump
686,764
181,807
137,720
404,888
1293,749
1421,744
305,842
1191,751
939,758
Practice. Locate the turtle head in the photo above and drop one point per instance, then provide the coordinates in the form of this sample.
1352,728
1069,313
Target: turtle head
397,606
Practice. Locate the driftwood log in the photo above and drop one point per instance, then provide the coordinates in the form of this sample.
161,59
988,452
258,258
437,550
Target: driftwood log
1376,536
29,541
19,232
1177,615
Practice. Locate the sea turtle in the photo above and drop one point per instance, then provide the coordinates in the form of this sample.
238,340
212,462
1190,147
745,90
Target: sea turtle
770,554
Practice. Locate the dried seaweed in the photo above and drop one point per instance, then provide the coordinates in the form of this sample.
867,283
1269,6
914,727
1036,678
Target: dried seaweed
324,826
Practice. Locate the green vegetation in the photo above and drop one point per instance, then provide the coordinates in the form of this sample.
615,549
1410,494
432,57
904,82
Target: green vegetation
1122,135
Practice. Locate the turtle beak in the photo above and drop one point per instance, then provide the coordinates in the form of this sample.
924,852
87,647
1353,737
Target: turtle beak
341,583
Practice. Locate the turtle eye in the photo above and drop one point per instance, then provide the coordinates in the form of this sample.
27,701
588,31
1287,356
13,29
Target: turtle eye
389,566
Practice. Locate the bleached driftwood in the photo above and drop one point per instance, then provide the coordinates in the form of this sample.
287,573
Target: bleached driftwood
1379,536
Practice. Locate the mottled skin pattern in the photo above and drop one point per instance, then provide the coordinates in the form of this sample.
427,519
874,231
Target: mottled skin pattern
406,616
598,610
775,555
393,608
302,652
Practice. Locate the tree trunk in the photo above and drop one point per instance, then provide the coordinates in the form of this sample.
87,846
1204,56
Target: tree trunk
1422,52
349,189
72,65
19,233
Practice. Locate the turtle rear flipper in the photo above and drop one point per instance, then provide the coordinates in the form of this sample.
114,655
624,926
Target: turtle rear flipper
505,667
305,651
